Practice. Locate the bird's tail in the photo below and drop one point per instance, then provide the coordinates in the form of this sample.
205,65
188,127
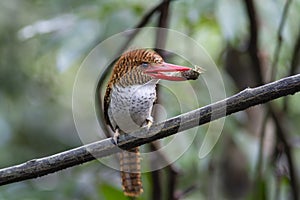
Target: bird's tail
130,167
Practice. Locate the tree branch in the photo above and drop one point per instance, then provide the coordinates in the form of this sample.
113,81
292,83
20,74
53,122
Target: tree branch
254,52
243,100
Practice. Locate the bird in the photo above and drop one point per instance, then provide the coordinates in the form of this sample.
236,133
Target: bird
128,101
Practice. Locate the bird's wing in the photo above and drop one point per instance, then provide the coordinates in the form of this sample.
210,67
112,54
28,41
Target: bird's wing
105,107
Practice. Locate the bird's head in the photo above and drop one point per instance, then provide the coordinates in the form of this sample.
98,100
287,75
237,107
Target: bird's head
142,65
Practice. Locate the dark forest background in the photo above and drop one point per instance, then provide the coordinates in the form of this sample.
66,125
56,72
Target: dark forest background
43,43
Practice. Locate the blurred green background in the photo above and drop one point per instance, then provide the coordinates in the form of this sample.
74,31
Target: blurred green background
43,43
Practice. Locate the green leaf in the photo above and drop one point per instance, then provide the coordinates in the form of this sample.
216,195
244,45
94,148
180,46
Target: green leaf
111,193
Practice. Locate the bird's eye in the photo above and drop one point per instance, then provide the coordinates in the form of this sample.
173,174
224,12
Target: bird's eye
145,65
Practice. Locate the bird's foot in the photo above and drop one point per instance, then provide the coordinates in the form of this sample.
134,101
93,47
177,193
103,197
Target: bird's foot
116,136
149,122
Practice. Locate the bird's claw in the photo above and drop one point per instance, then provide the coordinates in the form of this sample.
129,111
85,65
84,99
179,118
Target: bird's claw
116,136
149,122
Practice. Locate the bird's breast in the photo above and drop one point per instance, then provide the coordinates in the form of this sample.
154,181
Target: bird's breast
131,106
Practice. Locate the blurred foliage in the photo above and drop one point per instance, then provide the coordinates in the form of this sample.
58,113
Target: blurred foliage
42,44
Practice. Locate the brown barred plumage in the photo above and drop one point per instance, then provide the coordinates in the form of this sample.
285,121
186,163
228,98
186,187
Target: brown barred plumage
128,102
130,167
126,72
127,65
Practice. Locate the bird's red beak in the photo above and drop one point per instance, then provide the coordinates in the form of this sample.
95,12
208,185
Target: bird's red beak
166,71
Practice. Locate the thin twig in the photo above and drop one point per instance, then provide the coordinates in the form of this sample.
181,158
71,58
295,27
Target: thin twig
253,41
261,147
281,130
253,50
294,65
241,101
279,40
172,181
156,177
279,125
184,193
142,24
163,21
296,55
